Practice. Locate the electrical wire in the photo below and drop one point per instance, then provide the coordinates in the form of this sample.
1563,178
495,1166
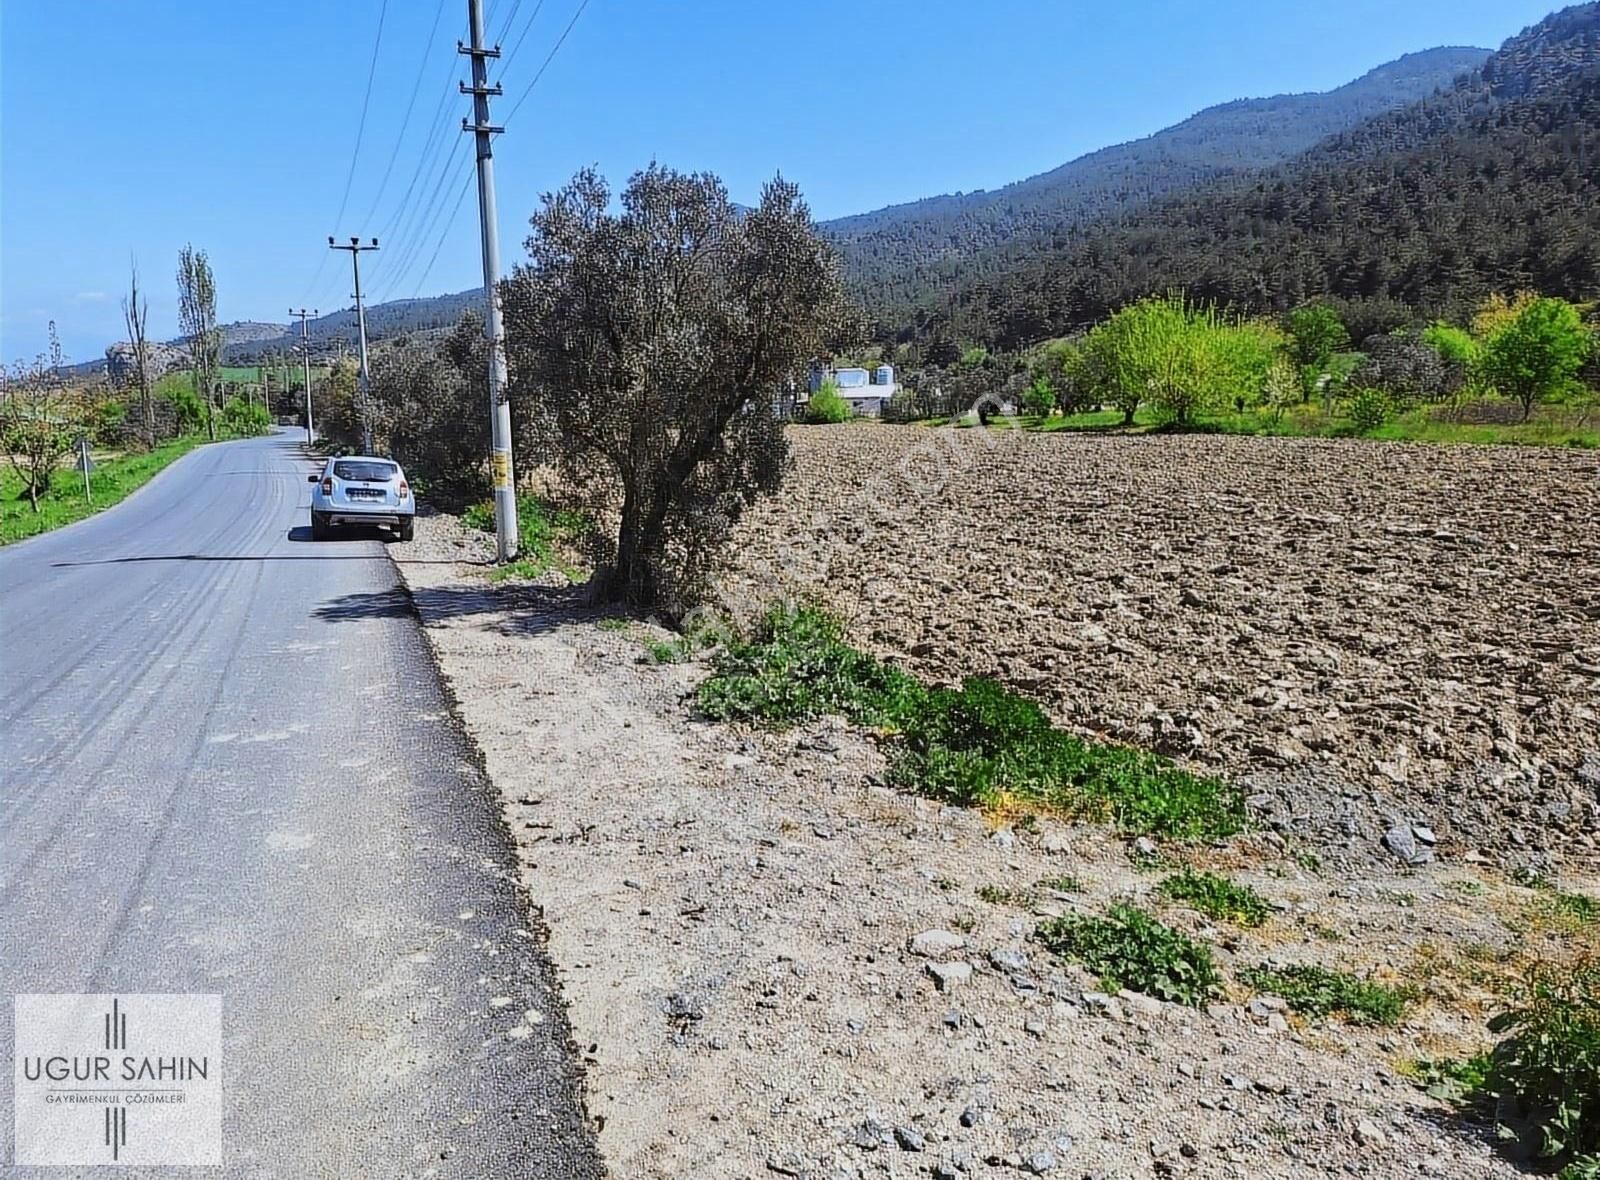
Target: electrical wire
361,128
554,49
355,156
405,123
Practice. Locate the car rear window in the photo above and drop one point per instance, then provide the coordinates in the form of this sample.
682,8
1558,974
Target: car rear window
354,469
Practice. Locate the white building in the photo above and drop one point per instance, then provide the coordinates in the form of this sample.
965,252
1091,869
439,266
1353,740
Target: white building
865,391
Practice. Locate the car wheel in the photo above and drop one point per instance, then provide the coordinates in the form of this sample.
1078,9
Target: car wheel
407,529
321,530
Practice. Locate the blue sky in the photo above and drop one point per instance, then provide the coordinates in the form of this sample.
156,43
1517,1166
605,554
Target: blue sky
129,127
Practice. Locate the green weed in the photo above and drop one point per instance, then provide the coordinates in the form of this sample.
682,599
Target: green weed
1130,949
1216,897
1319,992
543,531
979,744
1548,1064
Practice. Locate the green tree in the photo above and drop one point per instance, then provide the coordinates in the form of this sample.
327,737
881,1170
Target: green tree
1040,396
1187,361
650,346
1315,332
1536,352
826,407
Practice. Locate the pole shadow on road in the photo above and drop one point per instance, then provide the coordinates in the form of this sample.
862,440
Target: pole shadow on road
300,533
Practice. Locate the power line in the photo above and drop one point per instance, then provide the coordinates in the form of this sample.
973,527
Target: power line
554,49
427,270
405,123
505,62
419,229
361,128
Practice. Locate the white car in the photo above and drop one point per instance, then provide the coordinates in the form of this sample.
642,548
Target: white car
361,490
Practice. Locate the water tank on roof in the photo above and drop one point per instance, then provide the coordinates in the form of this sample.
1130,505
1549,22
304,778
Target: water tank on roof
883,375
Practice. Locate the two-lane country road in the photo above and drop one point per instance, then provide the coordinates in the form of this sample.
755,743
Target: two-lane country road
227,765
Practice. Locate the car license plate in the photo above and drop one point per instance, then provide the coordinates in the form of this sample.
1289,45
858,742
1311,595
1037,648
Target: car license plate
366,493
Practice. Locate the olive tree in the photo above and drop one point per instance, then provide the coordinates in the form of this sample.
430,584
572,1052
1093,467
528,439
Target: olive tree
649,348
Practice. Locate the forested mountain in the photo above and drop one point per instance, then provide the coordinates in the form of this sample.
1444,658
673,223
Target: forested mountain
337,330
903,255
1489,186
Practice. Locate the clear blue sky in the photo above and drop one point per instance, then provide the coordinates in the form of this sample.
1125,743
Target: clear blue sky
129,128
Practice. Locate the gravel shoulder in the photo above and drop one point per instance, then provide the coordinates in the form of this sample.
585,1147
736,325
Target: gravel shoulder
733,914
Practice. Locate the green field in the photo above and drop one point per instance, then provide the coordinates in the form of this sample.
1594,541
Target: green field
115,476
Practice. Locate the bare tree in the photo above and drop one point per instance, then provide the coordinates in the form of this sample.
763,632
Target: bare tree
197,318
39,420
135,313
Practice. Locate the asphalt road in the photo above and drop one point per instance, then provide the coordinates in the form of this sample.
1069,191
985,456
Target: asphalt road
227,765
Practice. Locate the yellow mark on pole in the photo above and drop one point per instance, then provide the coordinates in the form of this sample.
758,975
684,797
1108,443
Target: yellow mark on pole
502,469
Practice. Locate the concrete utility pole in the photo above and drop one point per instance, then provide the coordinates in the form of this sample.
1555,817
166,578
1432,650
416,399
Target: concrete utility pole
505,497
305,357
363,381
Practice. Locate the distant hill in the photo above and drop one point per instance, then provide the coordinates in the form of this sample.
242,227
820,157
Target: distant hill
1490,185
336,331
905,255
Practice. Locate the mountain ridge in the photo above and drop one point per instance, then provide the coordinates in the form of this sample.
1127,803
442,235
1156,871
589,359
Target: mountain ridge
897,256
1419,211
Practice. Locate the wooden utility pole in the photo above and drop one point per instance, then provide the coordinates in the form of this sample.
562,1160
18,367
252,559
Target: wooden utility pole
505,498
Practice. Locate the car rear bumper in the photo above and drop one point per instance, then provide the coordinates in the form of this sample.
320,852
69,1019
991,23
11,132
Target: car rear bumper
388,516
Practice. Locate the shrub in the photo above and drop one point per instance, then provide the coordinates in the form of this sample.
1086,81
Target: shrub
826,407
1548,1065
1130,949
1319,992
244,419
1369,409
1216,897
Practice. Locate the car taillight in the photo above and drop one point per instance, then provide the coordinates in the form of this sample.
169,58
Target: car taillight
327,486
405,489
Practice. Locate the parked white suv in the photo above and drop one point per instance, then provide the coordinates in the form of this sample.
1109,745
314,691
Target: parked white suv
361,490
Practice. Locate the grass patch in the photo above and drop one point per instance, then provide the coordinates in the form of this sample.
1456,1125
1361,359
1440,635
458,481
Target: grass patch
113,479
1065,883
669,651
980,744
543,532
1006,895
1130,949
614,623
1319,992
1216,897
